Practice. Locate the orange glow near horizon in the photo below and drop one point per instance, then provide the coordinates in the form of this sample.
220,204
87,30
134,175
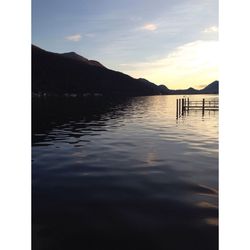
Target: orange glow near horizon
191,65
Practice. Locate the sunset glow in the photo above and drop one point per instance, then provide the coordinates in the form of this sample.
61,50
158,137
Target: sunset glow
166,42
189,65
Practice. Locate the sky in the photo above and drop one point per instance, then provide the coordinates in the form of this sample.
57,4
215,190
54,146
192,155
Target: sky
171,42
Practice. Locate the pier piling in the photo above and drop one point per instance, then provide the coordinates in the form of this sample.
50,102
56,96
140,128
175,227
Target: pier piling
177,108
184,104
182,108
203,106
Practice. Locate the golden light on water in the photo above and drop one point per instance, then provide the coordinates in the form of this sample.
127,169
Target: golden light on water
205,204
212,221
151,157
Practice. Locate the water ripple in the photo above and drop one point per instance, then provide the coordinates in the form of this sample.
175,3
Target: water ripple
124,170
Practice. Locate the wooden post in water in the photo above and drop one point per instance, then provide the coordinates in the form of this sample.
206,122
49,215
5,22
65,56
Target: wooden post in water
188,105
177,108
182,108
203,106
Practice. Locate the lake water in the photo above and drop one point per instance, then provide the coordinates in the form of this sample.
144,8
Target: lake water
124,174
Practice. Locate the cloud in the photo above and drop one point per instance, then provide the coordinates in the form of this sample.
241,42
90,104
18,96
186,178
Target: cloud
211,29
190,55
74,38
192,63
89,35
149,26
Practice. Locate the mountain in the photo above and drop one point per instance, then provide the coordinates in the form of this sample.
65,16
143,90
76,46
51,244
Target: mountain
189,91
150,84
75,56
212,88
164,89
70,73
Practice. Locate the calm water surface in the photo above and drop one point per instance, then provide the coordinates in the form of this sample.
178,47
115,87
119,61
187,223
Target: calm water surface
124,175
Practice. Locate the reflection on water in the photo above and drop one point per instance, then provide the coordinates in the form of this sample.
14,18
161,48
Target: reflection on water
124,175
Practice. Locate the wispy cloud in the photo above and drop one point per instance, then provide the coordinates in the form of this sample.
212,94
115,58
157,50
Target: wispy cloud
212,29
74,38
150,27
89,35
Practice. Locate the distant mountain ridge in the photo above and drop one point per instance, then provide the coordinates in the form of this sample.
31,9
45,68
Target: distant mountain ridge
212,88
70,73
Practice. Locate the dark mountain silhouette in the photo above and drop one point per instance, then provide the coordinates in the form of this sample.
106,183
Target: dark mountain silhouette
75,56
164,89
58,74
70,73
188,91
150,84
212,88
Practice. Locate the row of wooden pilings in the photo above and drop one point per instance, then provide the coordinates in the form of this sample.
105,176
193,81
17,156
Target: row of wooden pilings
183,104
180,106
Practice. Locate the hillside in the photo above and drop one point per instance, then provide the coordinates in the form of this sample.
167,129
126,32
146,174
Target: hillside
212,88
70,73
57,74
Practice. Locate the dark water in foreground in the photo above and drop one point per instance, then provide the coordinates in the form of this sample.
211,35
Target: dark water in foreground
124,175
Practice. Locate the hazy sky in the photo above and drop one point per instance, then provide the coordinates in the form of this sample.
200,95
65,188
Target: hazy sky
171,42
